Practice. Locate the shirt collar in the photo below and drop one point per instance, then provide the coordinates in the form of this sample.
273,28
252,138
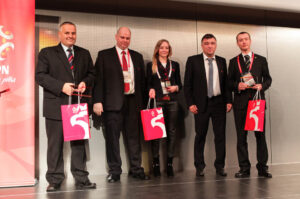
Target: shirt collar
205,57
66,48
119,50
250,54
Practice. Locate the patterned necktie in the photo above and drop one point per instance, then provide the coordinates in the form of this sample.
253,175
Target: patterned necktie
70,58
247,61
210,89
125,68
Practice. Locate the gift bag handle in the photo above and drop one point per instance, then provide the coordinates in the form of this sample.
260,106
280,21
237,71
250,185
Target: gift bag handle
70,99
257,95
149,101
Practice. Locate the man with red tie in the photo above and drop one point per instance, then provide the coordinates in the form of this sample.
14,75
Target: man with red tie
118,96
252,65
59,70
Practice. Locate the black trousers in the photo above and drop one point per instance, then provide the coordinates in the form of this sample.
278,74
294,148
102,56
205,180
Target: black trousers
128,121
170,110
242,145
55,162
216,110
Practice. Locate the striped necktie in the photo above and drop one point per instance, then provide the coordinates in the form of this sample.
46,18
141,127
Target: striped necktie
247,61
70,58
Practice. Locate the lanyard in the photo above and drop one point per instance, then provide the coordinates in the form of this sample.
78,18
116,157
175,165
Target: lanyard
128,58
238,59
170,72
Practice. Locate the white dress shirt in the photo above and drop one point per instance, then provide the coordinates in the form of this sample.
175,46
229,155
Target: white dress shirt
66,50
130,69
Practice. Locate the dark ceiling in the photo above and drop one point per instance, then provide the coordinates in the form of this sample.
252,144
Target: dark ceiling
175,9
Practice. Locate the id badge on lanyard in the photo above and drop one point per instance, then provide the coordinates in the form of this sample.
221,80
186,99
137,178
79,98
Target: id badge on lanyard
127,77
126,74
247,77
165,84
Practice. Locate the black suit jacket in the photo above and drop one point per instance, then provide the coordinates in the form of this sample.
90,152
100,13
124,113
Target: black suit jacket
53,71
195,83
109,83
154,82
259,71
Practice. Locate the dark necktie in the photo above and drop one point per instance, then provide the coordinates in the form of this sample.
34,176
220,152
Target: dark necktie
247,61
125,68
210,89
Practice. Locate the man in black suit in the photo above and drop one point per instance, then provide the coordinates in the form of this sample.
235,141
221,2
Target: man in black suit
207,96
59,70
255,65
119,92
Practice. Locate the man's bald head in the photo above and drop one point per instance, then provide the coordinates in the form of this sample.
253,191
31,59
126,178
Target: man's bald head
123,37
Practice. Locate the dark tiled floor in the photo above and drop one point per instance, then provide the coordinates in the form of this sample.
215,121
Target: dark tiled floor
284,184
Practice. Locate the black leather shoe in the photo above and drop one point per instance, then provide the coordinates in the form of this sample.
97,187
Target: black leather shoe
199,173
141,176
111,178
242,174
85,185
221,172
53,187
170,170
265,174
156,167
156,170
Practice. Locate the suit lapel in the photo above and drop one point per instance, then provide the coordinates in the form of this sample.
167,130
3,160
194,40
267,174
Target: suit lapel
77,56
220,70
243,64
63,58
116,60
202,69
254,61
134,62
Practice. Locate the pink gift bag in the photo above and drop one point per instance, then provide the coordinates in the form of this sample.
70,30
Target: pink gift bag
75,119
255,114
153,123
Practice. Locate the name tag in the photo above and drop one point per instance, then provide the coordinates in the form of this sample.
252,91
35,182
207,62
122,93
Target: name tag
127,77
248,79
164,86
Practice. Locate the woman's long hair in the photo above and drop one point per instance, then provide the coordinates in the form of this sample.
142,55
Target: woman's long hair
156,54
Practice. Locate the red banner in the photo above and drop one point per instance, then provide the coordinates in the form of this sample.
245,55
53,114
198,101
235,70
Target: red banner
17,92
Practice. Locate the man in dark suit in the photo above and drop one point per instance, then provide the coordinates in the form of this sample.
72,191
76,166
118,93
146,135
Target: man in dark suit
207,96
59,70
119,93
248,63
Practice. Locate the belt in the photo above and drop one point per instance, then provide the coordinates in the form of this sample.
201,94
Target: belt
214,97
129,95
164,98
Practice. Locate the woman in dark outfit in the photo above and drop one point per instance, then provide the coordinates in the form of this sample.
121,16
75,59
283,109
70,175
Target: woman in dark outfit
164,82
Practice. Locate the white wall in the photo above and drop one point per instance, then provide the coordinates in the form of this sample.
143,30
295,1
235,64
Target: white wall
280,45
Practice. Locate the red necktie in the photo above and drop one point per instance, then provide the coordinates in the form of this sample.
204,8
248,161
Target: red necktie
125,68
70,58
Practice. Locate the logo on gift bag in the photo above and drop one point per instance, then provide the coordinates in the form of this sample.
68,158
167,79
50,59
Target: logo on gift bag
253,115
77,119
156,123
